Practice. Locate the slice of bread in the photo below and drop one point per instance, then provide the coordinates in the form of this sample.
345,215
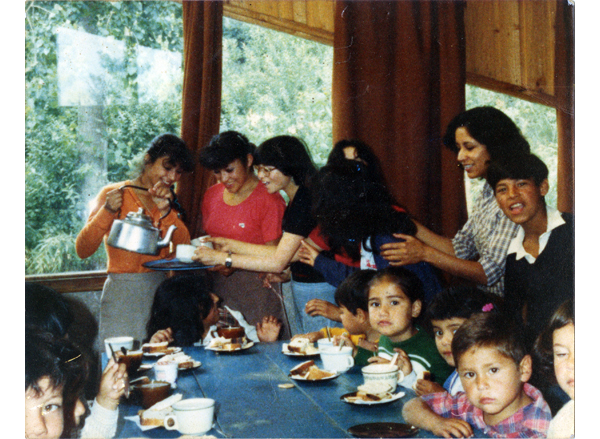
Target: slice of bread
314,373
150,348
424,375
309,371
155,415
302,369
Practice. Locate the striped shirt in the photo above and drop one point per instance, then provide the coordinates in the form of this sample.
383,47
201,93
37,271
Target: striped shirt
485,237
533,420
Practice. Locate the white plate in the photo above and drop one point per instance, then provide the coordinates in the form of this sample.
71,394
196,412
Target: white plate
196,365
335,375
285,351
219,349
162,354
394,397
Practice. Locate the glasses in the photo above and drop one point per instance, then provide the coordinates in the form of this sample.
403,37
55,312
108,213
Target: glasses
265,169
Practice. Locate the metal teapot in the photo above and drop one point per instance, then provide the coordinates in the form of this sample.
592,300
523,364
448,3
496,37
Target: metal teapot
136,234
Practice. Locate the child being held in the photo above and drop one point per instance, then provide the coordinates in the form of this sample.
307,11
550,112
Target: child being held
556,347
186,312
494,368
447,311
351,298
395,301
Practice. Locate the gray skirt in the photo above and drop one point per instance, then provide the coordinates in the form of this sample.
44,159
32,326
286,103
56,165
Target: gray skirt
126,303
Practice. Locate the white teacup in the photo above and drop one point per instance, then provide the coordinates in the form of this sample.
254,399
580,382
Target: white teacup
166,371
386,373
335,359
117,343
199,243
185,252
323,343
191,416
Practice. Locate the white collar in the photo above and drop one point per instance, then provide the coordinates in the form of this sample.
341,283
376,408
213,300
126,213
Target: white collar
555,219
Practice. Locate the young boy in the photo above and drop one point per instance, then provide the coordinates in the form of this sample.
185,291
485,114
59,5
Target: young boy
540,263
498,402
444,315
351,298
395,302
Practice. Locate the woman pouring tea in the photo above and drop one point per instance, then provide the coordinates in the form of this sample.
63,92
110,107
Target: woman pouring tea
129,289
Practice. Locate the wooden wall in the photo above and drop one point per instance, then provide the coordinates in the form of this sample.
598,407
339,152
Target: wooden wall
510,47
312,19
510,43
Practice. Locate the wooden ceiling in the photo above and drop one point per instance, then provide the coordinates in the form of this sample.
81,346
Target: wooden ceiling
509,43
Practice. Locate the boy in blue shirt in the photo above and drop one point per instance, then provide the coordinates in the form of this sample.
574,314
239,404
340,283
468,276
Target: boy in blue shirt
444,315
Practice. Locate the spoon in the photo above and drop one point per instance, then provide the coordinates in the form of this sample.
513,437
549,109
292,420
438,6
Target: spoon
395,358
123,350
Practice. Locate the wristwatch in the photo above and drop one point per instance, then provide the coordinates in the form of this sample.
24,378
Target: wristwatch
228,261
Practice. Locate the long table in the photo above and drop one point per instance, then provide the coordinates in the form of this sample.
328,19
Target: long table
250,404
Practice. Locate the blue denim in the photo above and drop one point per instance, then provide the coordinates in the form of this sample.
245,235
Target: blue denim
304,292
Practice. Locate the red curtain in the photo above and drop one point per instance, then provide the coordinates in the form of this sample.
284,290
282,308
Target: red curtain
201,106
565,109
398,79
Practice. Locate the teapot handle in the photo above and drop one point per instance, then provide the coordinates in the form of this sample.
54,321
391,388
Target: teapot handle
146,189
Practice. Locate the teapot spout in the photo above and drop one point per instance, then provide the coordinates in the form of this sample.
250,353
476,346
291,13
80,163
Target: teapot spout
167,239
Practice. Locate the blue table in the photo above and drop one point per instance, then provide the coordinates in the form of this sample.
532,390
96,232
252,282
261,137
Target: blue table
250,404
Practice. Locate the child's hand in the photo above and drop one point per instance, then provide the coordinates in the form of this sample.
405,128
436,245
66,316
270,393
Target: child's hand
268,329
162,335
319,307
337,340
368,345
403,362
112,384
425,387
452,427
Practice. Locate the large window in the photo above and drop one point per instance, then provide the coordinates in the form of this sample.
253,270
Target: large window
102,79
275,83
537,123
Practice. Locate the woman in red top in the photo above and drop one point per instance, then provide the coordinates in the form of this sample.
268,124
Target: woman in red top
129,289
239,207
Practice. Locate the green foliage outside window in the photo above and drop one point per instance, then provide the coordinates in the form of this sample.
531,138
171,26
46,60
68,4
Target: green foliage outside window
275,83
72,150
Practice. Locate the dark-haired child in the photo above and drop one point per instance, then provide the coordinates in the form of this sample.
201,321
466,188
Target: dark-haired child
556,348
395,302
351,298
446,313
48,311
494,368
186,312
540,262
55,373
